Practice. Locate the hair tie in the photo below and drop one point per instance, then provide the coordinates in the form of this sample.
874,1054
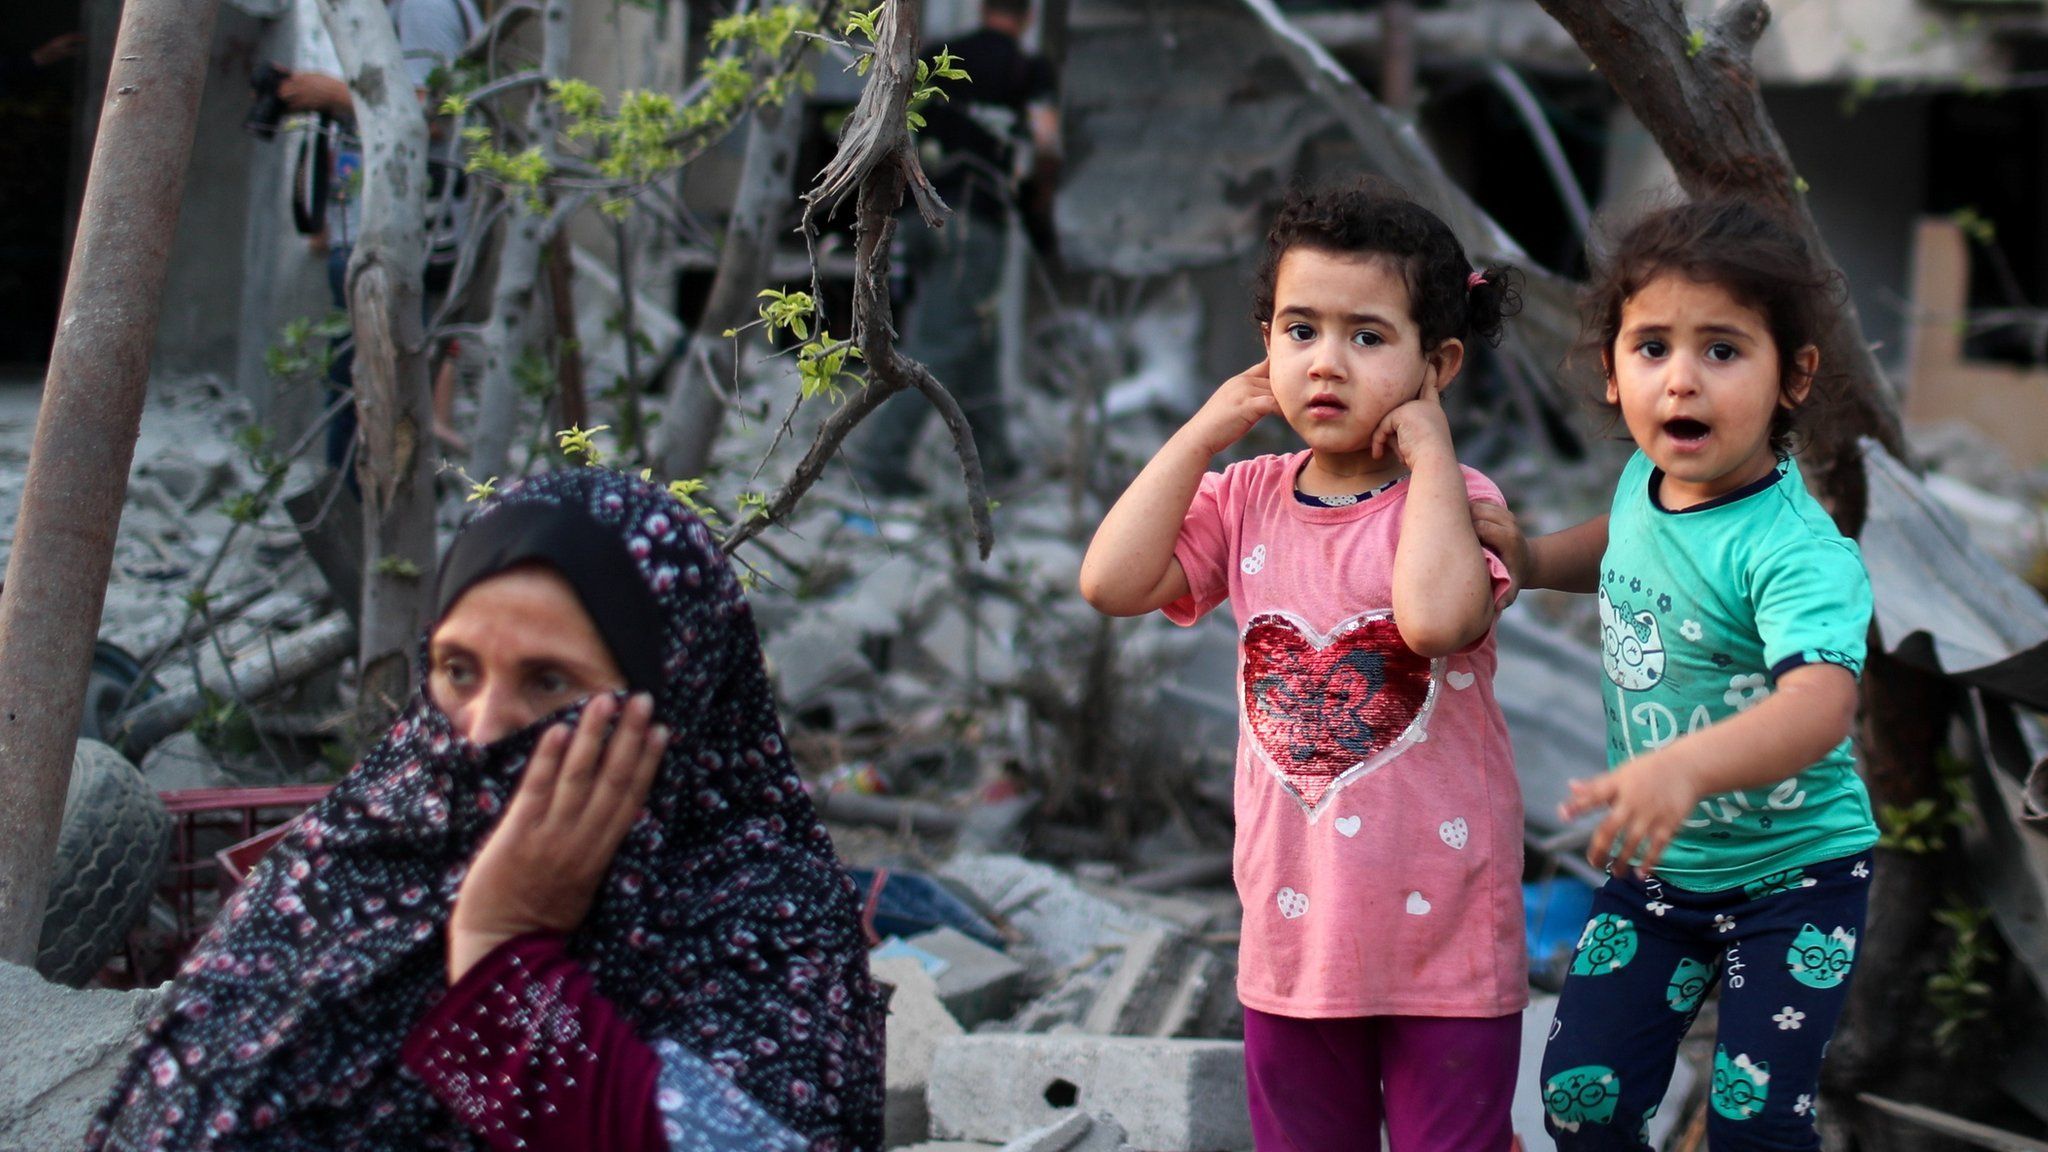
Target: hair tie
1474,280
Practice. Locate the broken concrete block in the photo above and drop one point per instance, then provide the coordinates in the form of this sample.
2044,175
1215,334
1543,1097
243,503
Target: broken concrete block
1192,1004
1062,1007
917,1023
1186,1095
964,650
64,1049
813,654
885,596
1140,971
1079,1132
977,983
1064,924
184,761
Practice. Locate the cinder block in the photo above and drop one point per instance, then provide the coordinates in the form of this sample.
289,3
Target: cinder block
978,983
917,1024
1179,1095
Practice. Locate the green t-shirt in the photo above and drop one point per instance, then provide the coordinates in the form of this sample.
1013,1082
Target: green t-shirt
1700,612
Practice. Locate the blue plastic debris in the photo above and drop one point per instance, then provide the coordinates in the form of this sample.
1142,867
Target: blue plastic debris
912,902
1555,912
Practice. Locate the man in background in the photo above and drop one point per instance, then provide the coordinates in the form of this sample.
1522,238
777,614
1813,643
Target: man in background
432,35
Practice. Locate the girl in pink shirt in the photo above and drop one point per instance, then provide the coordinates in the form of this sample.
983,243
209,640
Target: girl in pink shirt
1379,843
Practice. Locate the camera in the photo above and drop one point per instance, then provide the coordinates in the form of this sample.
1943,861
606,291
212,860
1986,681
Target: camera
268,111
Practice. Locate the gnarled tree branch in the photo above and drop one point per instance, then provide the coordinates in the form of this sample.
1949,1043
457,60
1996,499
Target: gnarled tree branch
877,158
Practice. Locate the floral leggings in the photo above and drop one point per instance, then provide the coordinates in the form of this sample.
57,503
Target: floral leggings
1782,949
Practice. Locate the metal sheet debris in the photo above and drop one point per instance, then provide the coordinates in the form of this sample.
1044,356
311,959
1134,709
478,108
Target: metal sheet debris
1942,602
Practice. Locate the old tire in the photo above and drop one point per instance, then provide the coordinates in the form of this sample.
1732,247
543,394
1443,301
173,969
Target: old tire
117,679
110,853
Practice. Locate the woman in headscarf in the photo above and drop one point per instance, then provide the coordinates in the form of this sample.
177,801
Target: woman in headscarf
482,938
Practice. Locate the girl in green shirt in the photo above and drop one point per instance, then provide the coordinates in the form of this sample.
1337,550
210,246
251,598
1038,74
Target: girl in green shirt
1733,617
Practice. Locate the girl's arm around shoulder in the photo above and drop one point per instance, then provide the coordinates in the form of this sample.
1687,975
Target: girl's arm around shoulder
1130,568
1567,560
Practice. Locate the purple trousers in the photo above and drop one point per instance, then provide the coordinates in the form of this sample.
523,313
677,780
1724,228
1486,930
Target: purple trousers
1440,1084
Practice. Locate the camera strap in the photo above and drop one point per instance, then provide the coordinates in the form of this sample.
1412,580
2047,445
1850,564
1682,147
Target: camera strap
312,175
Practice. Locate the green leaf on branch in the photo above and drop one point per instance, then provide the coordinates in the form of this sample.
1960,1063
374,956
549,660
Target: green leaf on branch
686,492
944,66
576,442
397,566
863,23
821,364
1695,43
244,507
790,310
578,99
1975,225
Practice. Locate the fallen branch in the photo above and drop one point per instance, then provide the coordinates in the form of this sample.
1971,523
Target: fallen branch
251,675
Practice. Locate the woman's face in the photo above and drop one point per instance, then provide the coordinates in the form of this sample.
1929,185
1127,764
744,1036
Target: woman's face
513,648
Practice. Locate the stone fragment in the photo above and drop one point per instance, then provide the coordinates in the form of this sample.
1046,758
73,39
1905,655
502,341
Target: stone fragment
64,1048
1065,924
182,760
1078,1132
1182,1095
917,1023
978,982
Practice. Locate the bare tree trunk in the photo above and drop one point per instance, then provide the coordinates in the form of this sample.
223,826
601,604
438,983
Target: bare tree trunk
695,407
85,436
526,237
394,406
1696,93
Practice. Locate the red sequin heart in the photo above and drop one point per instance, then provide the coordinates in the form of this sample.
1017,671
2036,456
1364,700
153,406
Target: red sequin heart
1326,710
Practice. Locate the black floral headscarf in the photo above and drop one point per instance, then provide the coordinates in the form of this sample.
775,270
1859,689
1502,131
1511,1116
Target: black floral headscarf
725,924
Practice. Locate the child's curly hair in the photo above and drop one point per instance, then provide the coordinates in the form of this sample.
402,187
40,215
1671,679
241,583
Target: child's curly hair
1755,257
1370,216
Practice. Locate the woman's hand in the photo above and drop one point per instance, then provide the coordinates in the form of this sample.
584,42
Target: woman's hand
539,869
1646,800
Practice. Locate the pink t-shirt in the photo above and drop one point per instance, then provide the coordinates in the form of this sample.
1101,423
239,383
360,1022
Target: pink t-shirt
1379,821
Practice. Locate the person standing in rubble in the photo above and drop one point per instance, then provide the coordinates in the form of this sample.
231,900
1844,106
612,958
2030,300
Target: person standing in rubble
1379,822
432,35
576,898
978,138
1733,616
